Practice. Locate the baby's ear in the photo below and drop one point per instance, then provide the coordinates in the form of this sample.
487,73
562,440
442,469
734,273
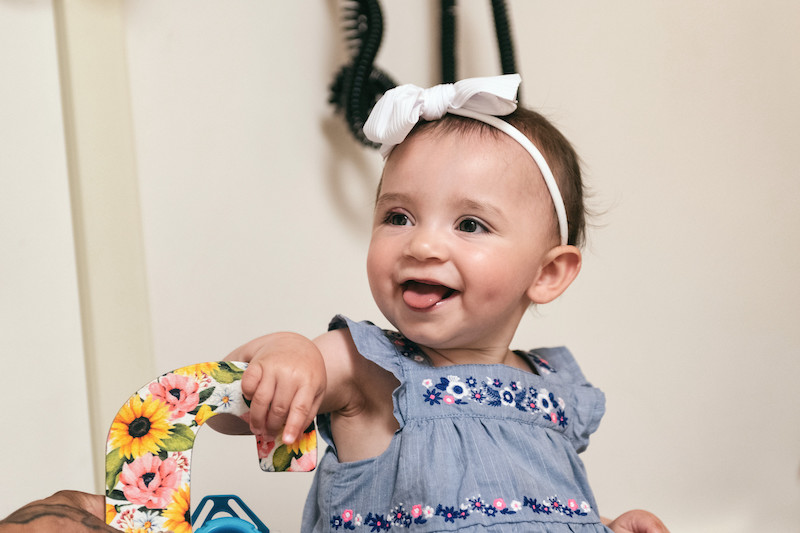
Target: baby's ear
559,268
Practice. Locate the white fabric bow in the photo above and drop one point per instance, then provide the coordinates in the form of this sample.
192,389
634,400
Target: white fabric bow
399,109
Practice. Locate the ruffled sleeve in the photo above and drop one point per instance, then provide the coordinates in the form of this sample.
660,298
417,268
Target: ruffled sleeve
558,367
372,343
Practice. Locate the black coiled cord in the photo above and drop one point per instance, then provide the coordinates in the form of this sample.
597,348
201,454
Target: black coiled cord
359,84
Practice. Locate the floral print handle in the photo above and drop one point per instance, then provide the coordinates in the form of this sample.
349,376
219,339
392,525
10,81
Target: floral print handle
149,448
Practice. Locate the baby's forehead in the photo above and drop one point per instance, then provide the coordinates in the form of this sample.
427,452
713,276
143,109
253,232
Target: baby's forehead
497,160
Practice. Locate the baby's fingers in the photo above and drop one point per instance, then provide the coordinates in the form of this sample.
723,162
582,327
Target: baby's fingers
302,411
258,388
279,409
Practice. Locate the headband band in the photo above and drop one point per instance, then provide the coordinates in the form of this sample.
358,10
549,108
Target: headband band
482,99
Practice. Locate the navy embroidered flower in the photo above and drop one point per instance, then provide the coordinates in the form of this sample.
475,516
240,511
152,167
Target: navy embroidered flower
377,522
453,390
420,514
433,397
406,347
542,364
400,517
478,395
448,513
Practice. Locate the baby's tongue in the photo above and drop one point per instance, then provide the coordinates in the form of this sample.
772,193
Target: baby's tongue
422,296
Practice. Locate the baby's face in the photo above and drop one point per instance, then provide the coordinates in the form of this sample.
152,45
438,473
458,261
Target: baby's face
462,224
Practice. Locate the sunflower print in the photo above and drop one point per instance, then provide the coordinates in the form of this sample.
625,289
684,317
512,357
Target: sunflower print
177,512
149,446
140,427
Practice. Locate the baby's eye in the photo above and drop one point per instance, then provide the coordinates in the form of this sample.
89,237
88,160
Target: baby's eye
397,219
470,225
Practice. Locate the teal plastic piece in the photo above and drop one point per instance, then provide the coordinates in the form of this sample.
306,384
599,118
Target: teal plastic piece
228,524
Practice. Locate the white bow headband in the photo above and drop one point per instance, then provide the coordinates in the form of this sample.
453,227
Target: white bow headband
483,99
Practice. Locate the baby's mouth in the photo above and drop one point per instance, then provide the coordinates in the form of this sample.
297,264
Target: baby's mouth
419,295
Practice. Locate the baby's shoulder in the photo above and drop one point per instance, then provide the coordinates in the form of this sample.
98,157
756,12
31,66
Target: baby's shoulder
557,363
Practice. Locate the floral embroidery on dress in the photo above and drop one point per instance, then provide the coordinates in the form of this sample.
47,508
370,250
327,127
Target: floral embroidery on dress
452,390
420,514
406,347
542,364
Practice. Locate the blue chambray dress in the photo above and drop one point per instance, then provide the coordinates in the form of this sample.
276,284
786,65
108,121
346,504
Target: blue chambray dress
480,448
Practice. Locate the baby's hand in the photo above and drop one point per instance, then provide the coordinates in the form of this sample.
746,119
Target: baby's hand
636,521
284,382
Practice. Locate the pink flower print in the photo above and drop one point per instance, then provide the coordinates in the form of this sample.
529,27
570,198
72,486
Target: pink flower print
572,504
178,392
553,418
149,481
449,400
304,463
124,520
265,447
416,511
347,515
499,504
181,461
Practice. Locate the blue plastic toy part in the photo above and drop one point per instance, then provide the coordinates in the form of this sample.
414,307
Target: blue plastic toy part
228,524
232,523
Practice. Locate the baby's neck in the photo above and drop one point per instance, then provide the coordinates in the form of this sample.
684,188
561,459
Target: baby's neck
475,357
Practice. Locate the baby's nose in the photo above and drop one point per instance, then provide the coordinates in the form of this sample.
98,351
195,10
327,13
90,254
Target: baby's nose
427,244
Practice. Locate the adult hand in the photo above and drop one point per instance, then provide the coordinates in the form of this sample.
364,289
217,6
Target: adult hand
636,521
66,511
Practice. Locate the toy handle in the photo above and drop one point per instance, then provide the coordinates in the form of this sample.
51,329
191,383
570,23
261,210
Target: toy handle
230,523
149,447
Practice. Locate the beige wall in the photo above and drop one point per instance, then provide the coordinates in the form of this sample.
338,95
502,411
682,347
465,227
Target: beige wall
255,206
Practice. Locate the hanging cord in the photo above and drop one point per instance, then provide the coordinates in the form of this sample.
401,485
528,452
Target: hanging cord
448,40
358,85
503,31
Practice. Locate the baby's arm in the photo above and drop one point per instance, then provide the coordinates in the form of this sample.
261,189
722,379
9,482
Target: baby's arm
289,380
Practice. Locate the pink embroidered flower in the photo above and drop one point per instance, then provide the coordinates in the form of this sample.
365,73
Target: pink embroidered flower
449,400
572,504
499,504
149,481
553,418
347,515
416,511
178,392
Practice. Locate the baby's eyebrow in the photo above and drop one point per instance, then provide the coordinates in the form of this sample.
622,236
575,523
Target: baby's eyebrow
392,198
473,206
